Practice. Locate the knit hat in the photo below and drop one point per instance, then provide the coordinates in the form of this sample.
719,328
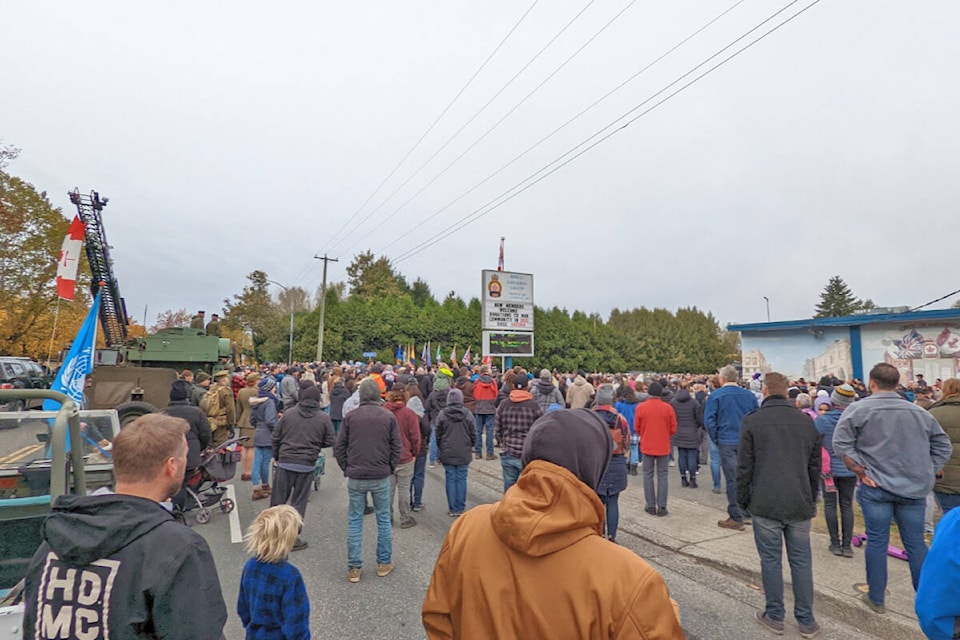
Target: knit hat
655,390
180,390
576,439
843,396
267,384
454,396
545,374
369,390
312,392
520,382
821,400
306,384
202,376
605,394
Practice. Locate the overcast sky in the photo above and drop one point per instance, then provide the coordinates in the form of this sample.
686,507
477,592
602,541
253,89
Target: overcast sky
232,136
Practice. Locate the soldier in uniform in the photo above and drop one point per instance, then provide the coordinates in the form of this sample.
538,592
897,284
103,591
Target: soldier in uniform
196,322
213,327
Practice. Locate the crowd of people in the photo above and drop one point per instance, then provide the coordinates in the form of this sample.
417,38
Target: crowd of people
567,443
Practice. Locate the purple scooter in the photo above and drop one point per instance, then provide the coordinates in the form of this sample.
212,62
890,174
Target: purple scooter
860,539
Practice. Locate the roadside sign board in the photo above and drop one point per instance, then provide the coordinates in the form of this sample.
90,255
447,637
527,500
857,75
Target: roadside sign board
507,302
369,354
501,343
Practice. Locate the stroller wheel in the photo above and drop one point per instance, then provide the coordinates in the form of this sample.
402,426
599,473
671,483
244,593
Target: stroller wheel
226,505
203,516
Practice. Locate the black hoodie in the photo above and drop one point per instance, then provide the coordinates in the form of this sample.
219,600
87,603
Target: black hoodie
302,432
128,556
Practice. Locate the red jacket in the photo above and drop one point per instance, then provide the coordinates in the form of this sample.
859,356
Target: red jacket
655,421
409,425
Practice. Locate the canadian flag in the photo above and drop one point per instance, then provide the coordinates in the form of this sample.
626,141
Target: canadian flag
69,259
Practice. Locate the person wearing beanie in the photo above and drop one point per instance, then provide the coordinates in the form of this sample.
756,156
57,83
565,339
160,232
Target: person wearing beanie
264,416
435,403
298,441
201,383
244,396
512,422
485,393
778,473
656,423
843,480
199,435
368,451
456,433
409,424
541,544
544,392
614,479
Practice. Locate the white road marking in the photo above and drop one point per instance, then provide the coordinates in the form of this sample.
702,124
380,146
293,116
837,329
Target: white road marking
236,534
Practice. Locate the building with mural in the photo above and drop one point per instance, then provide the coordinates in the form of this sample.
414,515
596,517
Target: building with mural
926,342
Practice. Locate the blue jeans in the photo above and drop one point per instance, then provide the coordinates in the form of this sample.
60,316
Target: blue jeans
634,452
714,463
947,501
879,508
770,535
687,462
419,475
260,474
456,487
434,450
728,460
511,470
612,506
484,421
357,491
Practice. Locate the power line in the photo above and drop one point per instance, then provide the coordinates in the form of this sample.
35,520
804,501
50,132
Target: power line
465,125
518,189
568,122
952,293
436,120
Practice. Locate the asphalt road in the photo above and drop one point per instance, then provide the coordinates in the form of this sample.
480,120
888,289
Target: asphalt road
713,604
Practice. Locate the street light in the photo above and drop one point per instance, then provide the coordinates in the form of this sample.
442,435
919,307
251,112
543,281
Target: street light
768,308
290,349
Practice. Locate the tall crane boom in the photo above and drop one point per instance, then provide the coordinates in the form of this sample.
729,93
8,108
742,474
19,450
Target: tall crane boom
113,310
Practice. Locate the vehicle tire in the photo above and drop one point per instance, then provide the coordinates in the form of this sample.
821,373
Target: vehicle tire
203,516
130,411
226,505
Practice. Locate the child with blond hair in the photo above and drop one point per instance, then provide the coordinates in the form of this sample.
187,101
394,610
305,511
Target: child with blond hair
273,599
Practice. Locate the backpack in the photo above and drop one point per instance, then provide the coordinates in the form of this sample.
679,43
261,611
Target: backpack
210,405
618,429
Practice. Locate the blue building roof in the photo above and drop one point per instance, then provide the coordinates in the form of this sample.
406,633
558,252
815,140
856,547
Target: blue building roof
850,321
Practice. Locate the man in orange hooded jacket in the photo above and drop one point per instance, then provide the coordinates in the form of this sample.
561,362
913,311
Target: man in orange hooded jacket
504,567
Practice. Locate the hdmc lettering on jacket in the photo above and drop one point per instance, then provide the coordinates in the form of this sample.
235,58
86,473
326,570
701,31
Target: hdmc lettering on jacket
73,602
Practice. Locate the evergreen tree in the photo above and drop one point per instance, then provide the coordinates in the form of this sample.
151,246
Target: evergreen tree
837,300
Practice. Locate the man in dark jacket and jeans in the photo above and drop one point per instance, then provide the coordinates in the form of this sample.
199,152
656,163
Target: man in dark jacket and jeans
300,436
119,566
778,473
368,450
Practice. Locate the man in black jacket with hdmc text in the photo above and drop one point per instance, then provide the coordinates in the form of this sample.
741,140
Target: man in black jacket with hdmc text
119,566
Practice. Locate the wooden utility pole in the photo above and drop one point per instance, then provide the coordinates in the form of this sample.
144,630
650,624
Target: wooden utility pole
323,304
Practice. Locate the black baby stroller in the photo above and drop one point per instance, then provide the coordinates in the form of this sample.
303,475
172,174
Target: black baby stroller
202,489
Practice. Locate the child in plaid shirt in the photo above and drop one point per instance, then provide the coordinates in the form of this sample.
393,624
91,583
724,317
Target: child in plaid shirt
273,600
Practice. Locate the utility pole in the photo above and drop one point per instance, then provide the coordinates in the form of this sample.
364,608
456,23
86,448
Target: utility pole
323,304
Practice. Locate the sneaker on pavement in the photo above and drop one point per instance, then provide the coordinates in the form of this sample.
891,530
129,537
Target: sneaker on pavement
259,494
717,490
809,631
418,508
768,623
662,511
477,456
651,510
835,550
490,456
367,510
730,523
383,570
846,552
432,465
299,544
876,608
353,575
673,463
406,523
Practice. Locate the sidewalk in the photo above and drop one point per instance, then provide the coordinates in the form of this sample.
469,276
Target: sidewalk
691,529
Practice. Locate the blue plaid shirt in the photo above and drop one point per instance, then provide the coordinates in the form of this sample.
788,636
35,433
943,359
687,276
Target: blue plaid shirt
273,602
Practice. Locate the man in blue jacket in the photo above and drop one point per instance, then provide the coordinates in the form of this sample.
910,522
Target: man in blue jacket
723,417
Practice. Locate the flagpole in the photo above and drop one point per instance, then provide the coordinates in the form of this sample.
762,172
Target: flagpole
56,320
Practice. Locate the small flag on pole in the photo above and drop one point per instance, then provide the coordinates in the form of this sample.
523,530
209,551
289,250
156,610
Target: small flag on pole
453,355
399,354
500,259
466,357
427,352
69,259
439,356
